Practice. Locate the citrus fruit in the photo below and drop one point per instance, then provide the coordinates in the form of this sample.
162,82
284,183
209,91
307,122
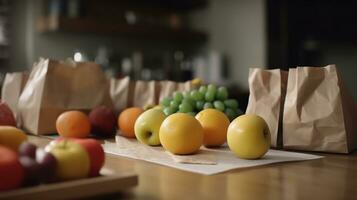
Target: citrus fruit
180,133
126,121
73,124
215,124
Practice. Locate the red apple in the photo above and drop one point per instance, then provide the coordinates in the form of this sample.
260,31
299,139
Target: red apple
11,171
96,154
103,121
6,115
73,161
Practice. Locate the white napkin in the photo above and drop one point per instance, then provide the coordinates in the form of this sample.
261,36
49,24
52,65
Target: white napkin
207,161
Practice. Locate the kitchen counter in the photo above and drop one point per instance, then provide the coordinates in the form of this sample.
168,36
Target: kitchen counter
332,177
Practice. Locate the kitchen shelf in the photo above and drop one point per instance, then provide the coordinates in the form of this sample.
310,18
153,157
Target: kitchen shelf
117,28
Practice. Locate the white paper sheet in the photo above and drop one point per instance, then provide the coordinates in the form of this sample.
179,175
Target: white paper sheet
225,160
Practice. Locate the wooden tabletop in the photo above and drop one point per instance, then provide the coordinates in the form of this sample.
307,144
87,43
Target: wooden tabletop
333,177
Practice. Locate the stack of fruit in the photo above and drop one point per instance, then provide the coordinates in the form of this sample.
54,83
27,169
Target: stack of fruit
23,164
247,136
192,102
64,159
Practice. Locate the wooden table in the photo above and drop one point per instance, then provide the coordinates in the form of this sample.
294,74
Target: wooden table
333,177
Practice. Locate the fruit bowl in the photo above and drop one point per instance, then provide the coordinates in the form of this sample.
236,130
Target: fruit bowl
104,184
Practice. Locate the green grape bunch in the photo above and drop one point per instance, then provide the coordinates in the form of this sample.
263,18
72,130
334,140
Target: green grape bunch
192,102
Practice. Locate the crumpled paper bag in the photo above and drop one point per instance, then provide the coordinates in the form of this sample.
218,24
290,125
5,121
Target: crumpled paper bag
54,87
267,90
319,114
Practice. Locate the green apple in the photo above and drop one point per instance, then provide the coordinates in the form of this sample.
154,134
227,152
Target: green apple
147,126
248,136
73,161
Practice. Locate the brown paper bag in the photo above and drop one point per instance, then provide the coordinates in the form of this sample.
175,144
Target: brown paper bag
119,92
267,92
127,93
12,87
54,87
184,86
319,115
167,88
145,93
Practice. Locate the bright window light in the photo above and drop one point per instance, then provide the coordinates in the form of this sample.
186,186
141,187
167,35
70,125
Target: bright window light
77,57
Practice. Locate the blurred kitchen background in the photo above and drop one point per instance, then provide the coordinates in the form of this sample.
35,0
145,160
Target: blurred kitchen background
215,40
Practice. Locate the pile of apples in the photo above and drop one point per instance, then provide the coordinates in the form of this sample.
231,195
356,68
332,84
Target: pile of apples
61,160
24,164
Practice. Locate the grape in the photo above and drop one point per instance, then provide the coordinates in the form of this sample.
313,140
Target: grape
193,101
222,93
231,114
186,94
165,101
196,95
174,105
207,105
212,88
48,164
168,111
193,114
231,103
27,149
32,170
190,101
185,108
209,96
178,96
203,89
199,105
219,105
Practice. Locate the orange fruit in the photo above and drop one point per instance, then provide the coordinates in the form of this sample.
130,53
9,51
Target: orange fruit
215,125
73,124
181,134
126,121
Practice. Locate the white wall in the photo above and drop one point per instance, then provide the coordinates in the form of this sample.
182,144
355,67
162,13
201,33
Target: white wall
236,29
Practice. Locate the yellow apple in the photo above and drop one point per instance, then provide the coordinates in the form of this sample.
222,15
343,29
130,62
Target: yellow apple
12,137
147,126
248,136
73,161
181,133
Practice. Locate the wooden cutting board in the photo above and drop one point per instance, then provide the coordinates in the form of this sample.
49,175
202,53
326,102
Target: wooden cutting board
81,188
